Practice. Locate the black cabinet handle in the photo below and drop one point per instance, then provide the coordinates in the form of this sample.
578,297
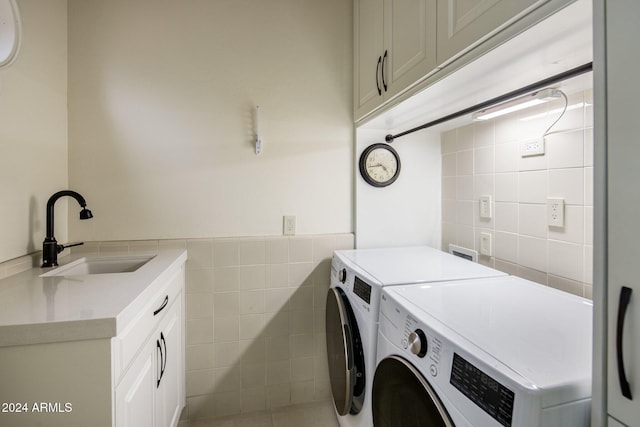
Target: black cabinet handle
164,304
625,297
159,375
384,60
378,72
164,359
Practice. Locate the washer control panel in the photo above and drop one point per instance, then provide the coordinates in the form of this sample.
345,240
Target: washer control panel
348,279
406,332
423,345
490,395
362,289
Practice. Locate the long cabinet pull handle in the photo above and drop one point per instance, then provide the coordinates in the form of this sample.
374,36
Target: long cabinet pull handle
164,359
164,304
377,73
625,297
384,60
159,375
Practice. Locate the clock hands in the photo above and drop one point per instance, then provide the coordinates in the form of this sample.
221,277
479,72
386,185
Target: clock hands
380,165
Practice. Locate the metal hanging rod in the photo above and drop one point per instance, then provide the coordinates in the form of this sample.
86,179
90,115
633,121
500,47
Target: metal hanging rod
499,99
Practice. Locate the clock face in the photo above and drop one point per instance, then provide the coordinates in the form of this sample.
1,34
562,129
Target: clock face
379,165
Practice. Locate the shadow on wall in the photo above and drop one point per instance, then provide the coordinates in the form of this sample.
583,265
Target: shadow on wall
34,225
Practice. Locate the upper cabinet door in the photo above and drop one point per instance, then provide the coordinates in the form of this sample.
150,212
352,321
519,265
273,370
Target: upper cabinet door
10,32
463,24
395,47
410,43
368,51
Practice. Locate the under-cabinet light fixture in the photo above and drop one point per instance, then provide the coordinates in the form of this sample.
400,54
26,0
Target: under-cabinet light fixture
517,104
555,111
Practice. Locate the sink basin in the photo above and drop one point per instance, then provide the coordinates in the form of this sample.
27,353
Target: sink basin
100,265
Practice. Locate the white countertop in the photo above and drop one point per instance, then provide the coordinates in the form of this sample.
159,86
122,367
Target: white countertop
36,309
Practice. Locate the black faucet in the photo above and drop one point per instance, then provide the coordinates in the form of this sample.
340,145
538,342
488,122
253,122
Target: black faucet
50,247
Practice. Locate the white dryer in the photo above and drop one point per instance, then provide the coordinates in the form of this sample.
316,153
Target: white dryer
357,279
496,352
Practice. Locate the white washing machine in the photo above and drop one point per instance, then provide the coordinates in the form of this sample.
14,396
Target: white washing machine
483,353
357,279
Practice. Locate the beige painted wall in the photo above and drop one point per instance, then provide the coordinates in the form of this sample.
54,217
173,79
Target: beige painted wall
161,117
33,129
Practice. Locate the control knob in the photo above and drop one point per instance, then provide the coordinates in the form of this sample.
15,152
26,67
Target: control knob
418,343
342,275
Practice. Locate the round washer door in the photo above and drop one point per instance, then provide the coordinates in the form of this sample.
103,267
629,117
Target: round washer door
344,353
403,398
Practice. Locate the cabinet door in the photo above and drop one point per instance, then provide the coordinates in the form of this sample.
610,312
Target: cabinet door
614,423
368,51
463,23
623,206
410,43
170,388
136,392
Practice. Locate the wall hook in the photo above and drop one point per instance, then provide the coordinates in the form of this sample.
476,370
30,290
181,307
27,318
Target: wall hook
258,138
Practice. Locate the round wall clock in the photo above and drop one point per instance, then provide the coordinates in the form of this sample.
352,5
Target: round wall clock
379,165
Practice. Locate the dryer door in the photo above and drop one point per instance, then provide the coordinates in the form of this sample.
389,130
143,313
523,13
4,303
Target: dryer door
403,398
344,353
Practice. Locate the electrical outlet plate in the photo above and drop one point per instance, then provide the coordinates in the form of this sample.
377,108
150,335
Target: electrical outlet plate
555,212
485,207
485,244
533,147
289,225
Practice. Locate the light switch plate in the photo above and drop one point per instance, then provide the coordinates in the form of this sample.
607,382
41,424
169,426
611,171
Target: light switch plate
485,244
485,207
555,212
289,225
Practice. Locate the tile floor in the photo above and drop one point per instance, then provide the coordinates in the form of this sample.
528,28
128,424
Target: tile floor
319,414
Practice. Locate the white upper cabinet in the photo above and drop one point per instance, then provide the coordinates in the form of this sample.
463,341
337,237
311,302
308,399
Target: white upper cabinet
399,44
10,32
465,23
410,42
368,50
394,47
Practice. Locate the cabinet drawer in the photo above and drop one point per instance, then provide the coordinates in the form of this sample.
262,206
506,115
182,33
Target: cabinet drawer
127,344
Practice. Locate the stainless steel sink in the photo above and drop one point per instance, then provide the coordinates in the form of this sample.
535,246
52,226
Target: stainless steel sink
100,265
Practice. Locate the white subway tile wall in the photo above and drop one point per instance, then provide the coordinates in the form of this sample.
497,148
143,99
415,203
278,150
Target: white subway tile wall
255,323
484,159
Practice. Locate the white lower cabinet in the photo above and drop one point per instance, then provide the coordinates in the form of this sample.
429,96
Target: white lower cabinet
170,384
151,393
134,379
135,396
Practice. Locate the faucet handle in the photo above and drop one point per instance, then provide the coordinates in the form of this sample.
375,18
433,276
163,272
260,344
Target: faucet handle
61,248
